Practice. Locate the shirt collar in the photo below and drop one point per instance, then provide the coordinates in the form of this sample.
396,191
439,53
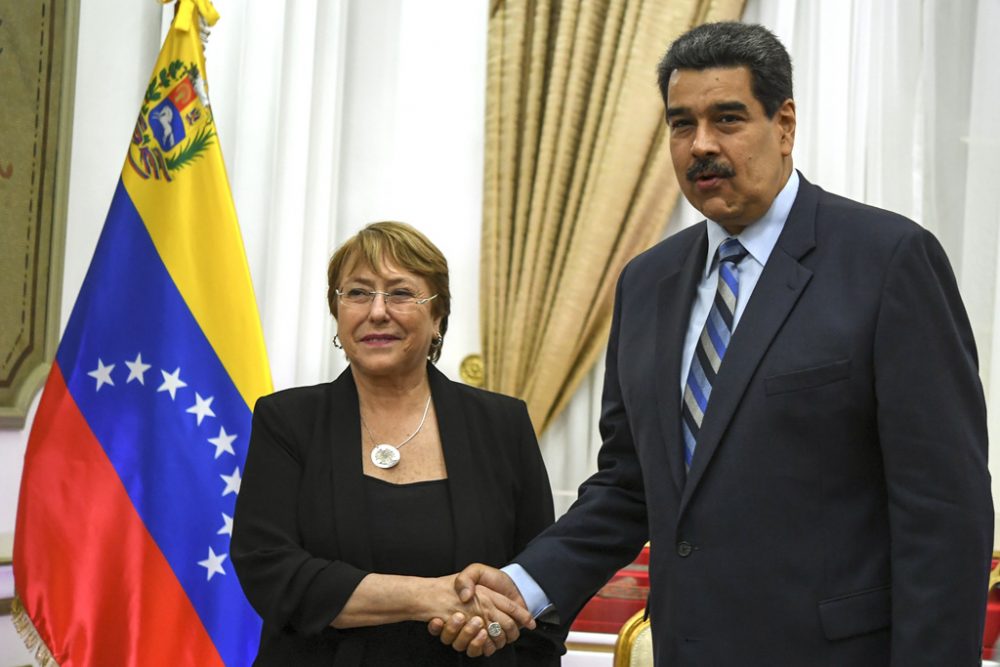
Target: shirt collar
759,238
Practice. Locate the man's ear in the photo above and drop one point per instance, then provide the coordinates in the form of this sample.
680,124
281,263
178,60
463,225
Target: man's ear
785,121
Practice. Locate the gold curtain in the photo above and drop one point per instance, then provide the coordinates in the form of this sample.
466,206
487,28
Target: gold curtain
577,180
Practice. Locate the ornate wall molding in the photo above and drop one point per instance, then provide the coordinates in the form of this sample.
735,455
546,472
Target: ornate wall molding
37,71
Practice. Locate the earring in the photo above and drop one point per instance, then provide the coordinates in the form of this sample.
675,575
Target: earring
336,343
438,340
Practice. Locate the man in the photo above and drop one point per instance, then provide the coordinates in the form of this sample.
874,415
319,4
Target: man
792,413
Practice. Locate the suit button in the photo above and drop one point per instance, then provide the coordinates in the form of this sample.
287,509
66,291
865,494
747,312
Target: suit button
684,549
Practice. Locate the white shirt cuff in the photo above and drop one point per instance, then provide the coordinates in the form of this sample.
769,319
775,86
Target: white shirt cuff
534,597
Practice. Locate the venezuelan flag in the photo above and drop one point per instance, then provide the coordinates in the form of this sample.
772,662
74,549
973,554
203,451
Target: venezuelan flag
133,463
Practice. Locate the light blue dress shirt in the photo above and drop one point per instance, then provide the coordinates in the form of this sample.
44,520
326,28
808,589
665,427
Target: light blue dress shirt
759,240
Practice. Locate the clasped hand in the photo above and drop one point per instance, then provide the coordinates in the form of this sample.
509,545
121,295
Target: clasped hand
488,595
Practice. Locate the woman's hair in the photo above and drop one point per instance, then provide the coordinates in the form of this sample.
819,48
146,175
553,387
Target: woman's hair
405,247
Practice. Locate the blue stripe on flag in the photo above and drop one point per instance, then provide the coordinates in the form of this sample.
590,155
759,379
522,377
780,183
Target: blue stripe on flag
129,305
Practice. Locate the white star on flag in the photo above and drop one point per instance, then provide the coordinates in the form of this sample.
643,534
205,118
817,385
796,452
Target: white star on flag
202,407
223,442
213,563
172,382
227,525
137,370
102,374
232,482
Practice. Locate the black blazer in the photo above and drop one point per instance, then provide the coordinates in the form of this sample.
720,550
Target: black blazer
299,542
838,508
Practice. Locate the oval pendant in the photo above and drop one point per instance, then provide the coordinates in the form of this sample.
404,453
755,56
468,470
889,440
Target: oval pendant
385,456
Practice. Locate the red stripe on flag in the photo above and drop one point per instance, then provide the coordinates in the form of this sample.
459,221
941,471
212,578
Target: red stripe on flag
87,571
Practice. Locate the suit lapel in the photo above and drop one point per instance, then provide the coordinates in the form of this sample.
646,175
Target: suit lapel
464,490
779,288
343,431
674,298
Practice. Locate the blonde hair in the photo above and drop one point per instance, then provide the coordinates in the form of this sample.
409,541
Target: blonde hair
409,250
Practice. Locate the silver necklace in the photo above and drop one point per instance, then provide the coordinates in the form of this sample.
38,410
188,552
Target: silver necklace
385,455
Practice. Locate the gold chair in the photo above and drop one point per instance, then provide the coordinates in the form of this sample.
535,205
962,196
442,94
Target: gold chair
634,647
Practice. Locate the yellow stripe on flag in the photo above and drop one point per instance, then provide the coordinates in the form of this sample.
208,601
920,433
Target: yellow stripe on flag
174,170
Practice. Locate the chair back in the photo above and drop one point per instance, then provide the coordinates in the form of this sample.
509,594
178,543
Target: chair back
634,647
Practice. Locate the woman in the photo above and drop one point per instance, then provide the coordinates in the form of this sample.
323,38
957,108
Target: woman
361,495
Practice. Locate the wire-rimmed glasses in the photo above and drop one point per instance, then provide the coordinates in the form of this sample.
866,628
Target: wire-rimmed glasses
398,299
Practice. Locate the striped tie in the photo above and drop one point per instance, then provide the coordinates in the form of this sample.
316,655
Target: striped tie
711,345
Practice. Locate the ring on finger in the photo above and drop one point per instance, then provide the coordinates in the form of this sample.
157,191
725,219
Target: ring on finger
494,629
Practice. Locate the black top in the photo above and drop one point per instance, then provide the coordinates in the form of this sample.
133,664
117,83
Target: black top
410,529
411,533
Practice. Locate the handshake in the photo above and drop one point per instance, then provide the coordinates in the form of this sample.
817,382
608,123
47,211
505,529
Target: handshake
488,615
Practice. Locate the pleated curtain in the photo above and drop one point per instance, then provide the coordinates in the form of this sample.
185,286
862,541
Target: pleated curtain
577,179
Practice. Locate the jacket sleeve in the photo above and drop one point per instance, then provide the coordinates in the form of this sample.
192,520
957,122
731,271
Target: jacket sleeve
289,587
534,501
606,527
543,646
932,432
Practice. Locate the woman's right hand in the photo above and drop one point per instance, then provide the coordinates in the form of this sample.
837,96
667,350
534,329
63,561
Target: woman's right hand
468,626
477,583
474,617
474,640
384,598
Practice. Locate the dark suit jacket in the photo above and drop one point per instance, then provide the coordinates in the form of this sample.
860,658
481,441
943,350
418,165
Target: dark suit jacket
838,509
300,544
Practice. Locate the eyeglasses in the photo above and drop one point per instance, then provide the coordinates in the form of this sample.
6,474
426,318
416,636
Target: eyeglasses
399,299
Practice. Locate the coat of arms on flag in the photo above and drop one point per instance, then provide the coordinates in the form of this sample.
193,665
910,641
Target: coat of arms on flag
175,124
134,459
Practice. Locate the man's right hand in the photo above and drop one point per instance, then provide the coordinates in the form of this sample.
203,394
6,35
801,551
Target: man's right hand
490,577
456,632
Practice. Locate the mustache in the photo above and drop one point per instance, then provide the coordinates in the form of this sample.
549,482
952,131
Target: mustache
705,166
